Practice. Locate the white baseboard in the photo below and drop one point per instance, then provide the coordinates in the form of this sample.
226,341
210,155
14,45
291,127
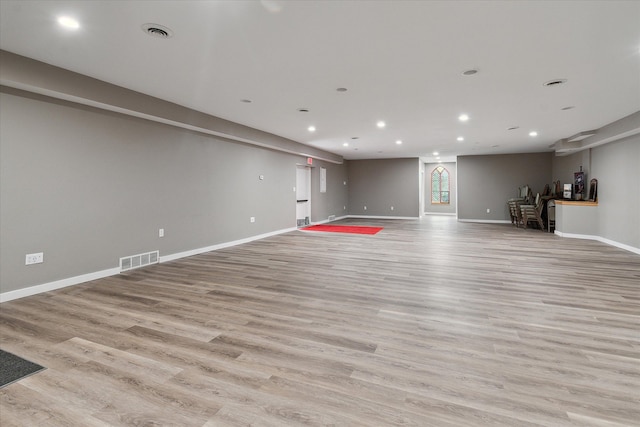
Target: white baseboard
324,221
441,213
58,284
199,251
381,217
63,283
599,239
486,221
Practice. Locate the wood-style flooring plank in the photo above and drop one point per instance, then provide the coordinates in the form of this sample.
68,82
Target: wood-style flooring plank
430,322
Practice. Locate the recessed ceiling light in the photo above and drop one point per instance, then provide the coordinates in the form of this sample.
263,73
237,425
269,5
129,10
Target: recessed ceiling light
346,144
156,30
533,133
398,142
513,128
435,153
303,110
68,22
381,124
463,117
470,72
438,158
460,138
570,107
554,82
311,128
342,89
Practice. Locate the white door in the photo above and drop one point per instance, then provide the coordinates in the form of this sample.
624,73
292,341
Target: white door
303,195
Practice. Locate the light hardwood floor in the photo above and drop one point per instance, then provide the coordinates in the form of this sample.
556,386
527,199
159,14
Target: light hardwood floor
428,323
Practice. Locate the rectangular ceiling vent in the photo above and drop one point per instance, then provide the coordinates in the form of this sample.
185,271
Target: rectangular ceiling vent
140,260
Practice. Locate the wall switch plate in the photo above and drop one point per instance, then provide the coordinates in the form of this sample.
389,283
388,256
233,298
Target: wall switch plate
488,210
391,207
252,219
161,232
365,208
36,258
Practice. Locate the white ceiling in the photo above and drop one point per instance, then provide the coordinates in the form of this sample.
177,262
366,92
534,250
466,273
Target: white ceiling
401,61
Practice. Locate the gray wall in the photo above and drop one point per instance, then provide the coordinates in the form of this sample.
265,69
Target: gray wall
616,166
381,183
440,208
563,167
487,182
21,72
87,187
336,199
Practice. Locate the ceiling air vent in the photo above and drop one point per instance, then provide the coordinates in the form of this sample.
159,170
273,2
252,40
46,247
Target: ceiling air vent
156,30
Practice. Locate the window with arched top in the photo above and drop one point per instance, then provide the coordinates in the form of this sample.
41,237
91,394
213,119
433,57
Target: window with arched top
440,186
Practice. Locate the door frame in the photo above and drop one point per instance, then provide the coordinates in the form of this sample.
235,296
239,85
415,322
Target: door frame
303,207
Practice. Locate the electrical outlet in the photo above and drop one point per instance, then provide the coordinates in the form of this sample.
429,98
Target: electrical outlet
36,258
252,219
261,177
161,232
488,210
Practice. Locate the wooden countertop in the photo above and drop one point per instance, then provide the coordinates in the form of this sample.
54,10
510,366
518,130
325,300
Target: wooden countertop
576,203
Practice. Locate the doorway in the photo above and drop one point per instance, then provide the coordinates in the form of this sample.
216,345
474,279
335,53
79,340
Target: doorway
303,195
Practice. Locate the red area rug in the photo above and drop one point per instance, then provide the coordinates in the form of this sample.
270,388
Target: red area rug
353,229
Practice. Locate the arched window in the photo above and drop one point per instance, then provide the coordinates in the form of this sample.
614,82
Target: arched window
440,186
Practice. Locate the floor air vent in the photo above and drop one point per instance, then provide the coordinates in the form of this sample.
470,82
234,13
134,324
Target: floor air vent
140,260
332,217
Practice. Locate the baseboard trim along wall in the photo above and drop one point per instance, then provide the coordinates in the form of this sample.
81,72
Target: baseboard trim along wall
441,213
381,217
324,221
199,251
599,239
63,283
486,221
58,284
83,278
